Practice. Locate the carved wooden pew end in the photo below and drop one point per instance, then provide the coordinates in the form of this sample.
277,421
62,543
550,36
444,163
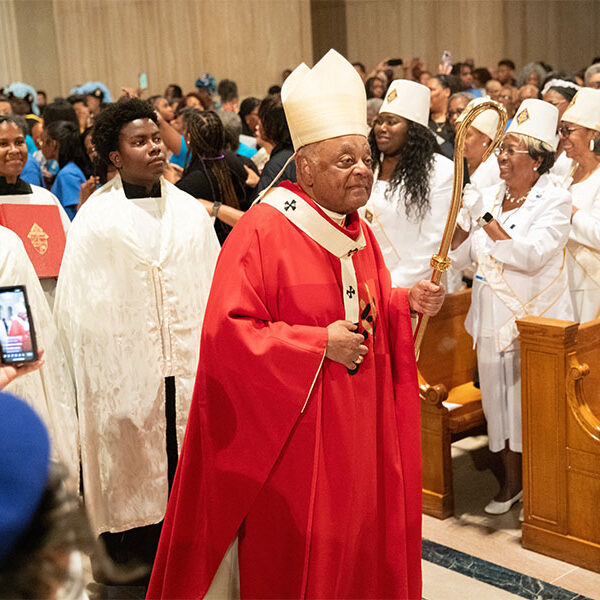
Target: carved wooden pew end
560,383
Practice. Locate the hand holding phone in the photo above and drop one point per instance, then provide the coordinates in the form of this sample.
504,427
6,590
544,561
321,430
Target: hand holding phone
17,333
446,64
8,373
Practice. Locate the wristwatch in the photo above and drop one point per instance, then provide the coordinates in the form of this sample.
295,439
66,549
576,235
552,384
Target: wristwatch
487,218
215,210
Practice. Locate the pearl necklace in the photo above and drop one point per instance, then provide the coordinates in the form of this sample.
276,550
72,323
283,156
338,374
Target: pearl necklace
512,200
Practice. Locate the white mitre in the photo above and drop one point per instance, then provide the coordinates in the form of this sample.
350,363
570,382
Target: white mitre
324,102
537,119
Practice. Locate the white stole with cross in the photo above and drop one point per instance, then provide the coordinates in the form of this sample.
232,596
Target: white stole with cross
308,220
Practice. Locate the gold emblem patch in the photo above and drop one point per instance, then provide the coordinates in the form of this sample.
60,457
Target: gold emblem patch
392,95
369,216
38,238
522,117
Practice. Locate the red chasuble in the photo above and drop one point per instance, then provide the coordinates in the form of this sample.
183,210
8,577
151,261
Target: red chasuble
316,471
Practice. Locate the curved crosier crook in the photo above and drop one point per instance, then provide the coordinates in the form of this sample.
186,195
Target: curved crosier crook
440,261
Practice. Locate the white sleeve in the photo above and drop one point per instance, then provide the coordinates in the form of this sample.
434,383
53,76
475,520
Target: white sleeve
533,248
586,224
461,257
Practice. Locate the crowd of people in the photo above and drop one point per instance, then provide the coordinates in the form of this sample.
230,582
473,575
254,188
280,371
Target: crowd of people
265,355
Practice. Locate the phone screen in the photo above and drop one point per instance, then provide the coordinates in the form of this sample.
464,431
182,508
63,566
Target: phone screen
143,81
447,58
17,335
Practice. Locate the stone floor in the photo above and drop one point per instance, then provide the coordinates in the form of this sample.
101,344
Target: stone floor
471,556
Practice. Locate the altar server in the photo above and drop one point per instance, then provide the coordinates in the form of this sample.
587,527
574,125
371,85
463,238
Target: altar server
130,304
50,389
40,229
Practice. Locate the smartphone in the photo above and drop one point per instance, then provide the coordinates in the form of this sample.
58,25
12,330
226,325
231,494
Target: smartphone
143,81
394,62
17,333
447,58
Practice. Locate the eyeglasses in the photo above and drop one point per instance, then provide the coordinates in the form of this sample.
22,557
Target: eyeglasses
510,151
567,131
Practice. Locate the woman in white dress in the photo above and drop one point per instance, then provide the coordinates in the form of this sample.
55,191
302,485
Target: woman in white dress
516,232
411,194
579,129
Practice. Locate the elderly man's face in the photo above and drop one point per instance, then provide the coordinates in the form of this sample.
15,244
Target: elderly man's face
337,174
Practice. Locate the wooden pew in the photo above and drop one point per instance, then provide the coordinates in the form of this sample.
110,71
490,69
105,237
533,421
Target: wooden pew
560,379
450,403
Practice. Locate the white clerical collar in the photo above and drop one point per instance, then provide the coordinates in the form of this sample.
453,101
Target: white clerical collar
335,217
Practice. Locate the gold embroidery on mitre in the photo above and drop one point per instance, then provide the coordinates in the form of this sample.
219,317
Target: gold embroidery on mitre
38,238
522,117
392,95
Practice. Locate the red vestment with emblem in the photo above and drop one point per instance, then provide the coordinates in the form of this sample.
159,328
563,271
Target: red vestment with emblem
316,471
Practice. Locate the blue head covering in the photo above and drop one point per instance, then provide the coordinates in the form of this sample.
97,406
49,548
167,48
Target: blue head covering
19,89
95,88
24,468
207,81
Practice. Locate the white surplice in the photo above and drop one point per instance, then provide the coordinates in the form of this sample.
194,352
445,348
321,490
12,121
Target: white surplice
49,390
408,243
130,321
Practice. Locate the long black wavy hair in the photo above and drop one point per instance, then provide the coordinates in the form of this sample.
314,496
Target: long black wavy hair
412,171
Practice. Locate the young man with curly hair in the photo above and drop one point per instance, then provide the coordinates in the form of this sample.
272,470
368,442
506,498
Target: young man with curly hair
130,302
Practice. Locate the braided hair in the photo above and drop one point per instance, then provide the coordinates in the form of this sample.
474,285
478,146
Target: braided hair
412,171
207,148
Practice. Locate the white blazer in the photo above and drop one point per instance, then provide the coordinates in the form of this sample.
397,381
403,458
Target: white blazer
531,263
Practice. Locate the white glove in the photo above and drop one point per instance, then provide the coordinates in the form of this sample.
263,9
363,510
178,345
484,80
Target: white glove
463,220
473,202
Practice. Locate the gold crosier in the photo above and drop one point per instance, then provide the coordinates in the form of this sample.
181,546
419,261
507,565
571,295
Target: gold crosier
440,261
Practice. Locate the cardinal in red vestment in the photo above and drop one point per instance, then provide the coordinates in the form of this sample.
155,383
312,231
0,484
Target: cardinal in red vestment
300,472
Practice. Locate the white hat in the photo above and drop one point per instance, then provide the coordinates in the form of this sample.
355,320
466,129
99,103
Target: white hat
408,99
324,102
584,109
486,122
537,119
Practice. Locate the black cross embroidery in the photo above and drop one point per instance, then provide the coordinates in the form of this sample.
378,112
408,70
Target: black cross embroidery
351,252
350,292
289,204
